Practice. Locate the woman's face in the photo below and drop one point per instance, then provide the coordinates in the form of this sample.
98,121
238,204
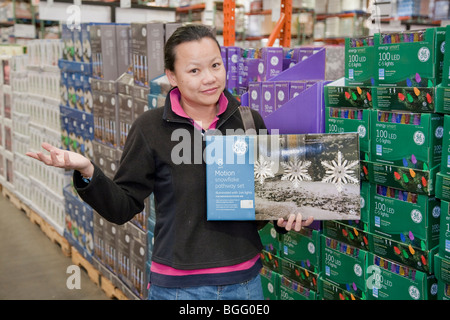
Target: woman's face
199,73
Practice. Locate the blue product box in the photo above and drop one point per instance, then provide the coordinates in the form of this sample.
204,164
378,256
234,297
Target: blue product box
64,91
266,177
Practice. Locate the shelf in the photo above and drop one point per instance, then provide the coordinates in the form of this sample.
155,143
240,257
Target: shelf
324,16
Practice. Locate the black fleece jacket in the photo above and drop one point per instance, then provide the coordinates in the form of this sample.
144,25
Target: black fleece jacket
183,238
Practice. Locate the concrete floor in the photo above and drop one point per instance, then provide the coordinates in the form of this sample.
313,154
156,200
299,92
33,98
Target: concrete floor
32,267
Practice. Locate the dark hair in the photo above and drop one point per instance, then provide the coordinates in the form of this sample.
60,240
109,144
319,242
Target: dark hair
186,33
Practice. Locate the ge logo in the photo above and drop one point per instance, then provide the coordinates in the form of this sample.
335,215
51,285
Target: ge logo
419,138
424,54
240,147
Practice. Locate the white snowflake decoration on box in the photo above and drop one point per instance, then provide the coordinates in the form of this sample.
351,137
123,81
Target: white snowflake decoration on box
296,171
340,172
263,169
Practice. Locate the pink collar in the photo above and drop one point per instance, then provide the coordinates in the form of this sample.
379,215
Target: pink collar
175,97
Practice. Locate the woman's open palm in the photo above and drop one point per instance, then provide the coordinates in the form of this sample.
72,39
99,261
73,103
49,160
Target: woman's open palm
63,159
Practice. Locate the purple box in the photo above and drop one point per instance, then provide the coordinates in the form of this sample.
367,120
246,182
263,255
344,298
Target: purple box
268,98
295,88
281,93
254,96
233,60
249,71
272,60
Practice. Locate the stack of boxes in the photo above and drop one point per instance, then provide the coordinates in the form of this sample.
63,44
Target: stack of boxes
35,112
388,97
291,264
104,93
6,125
442,258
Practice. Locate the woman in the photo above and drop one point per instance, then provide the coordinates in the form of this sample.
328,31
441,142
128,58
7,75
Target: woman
192,258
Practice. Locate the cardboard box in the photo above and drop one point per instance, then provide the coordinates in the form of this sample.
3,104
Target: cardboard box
270,281
329,291
271,261
444,236
399,177
254,96
302,276
337,94
392,281
317,174
341,120
147,47
402,253
406,59
271,62
409,218
302,248
360,57
268,98
442,268
271,239
446,64
291,290
104,52
414,99
406,139
345,266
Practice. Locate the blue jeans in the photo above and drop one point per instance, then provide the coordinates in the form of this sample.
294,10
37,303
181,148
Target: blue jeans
248,290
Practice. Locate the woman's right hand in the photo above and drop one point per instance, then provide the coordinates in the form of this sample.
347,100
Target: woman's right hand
64,159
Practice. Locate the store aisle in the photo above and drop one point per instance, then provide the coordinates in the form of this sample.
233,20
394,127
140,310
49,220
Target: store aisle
32,266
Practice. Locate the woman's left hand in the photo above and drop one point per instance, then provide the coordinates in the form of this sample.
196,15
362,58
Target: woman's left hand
295,222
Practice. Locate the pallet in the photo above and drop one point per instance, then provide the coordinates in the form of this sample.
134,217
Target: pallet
97,277
50,232
110,290
8,194
81,261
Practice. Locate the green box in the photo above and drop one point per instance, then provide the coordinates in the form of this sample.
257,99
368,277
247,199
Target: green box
442,268
388,280
270,282
442,98
270,239
443,291
344,265
340,120
445,157
338,94
413,99
444,234
302,276
402,253
352,232
409,218
291,290
443,186
360,57
413,180
302,248
406,64
416,145
441,35
346,231
271,261
446,67
330,291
